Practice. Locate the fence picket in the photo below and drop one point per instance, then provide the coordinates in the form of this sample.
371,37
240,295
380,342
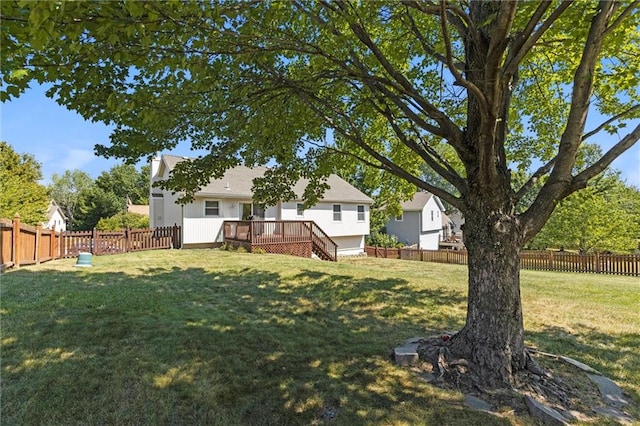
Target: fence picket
533,260
22,244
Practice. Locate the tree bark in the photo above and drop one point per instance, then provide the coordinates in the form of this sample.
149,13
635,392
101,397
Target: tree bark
493,336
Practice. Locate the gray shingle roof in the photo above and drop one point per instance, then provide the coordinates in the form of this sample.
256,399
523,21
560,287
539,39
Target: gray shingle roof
238,181
417,203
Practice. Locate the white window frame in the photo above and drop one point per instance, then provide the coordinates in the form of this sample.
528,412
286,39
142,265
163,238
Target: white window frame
358,207
400,218
338,212
217,208
299,209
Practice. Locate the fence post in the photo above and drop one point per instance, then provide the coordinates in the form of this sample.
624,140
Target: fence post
127,242
93,243
36,254
15,243
550,261
52,243
597,262
174,237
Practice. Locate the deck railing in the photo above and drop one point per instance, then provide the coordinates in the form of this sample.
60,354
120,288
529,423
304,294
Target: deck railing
269,234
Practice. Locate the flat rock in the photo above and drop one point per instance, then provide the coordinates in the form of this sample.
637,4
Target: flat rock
610,392
614,413
579,364
547,415
406,355
477,403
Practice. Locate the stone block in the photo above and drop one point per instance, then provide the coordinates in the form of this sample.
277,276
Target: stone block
406,355
580,365
547,415
610,391
477,403
619,416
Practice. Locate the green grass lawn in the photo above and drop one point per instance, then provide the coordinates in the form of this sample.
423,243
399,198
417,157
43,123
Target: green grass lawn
212,337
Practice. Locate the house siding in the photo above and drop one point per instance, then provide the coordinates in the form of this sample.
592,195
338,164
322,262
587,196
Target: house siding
56,221
349,245
407,230
322,215
422,227
427,223
200,229
430,240
165,210
348,233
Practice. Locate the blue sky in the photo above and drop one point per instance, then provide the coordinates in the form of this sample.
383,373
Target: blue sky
62,140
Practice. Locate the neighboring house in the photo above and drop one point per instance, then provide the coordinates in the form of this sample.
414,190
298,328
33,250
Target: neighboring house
457,222
142,209
55,218
420,222
343,212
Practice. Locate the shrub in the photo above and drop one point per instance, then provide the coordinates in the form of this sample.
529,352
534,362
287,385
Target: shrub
123,221
381,239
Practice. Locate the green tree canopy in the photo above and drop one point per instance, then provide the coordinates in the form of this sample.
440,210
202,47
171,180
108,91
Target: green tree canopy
603,217
126,181
107,196
474,90
68,190
20,191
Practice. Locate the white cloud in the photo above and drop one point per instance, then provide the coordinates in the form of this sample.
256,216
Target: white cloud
75,159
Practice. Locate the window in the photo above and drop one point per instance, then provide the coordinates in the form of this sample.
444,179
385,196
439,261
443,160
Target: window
432,215
252,211
337,212
299,209
211,208
400,217
360,213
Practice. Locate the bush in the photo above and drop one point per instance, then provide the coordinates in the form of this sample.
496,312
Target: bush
381,239
123,221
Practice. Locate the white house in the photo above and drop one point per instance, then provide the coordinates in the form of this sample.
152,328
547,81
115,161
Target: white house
420,222
55,218
343,213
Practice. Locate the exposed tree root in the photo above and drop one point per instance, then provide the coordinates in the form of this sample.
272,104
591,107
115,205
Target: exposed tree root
544,378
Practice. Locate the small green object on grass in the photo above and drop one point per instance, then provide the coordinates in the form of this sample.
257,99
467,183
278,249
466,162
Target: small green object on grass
84,260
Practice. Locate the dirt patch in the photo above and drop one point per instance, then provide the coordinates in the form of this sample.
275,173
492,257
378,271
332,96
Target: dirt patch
557,384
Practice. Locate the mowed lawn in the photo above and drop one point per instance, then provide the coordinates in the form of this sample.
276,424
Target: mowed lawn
219,338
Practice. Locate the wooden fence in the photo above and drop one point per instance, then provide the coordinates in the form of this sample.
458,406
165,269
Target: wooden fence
22,244
597,263
386,252
124,241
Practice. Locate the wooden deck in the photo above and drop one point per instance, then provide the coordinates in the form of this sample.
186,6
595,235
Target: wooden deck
295,237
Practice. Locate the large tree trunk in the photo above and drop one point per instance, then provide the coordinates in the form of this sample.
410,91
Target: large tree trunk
493,336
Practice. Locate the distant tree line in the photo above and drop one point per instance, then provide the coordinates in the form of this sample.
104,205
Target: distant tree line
87,203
